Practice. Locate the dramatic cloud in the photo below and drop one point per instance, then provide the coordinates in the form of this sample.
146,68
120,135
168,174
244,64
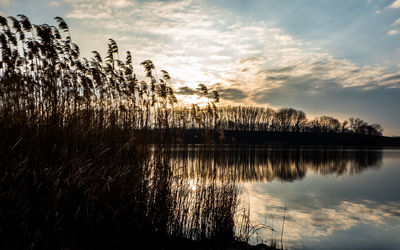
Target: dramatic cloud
255,60
202,44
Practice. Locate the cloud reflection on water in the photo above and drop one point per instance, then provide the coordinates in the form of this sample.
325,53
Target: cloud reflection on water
313,221
329,193
306,222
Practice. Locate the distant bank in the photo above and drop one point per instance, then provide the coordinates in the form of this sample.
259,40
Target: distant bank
195,136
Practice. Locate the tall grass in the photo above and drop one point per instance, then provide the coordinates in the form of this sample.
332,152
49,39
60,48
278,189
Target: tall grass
44,82
107,195
76,170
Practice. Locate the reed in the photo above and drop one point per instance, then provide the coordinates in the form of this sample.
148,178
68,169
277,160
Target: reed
76,169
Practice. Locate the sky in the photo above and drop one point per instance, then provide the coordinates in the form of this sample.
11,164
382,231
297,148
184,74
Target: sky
325,57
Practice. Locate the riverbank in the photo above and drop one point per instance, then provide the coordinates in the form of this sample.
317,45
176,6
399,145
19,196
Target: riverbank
195,136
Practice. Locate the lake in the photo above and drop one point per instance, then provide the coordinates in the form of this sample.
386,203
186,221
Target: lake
335,198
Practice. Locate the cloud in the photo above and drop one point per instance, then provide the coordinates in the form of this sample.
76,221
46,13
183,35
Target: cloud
393,32
4,3
186,91
395,5
253,61
278,78
396,22
232,94
280,70
390,78
321,78
54,3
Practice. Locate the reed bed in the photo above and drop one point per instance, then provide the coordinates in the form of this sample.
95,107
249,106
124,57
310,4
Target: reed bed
76,169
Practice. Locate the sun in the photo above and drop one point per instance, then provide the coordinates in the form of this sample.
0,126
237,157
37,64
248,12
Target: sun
188,100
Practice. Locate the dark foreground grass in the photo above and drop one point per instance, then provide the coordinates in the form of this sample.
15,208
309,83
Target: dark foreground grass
66,188
76,171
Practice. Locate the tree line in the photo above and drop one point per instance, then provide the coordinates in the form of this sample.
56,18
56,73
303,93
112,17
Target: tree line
244,118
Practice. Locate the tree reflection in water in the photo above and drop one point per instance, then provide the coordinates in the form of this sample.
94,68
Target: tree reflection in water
251,164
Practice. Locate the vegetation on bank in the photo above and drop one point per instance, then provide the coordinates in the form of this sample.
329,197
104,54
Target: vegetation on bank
76,168
196,136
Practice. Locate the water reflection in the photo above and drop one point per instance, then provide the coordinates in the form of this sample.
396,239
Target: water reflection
333,201
331,226
252,164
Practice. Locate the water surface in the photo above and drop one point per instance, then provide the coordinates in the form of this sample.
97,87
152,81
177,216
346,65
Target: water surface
335,198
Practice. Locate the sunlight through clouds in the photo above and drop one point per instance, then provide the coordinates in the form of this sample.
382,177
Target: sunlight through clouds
190,38
234,52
